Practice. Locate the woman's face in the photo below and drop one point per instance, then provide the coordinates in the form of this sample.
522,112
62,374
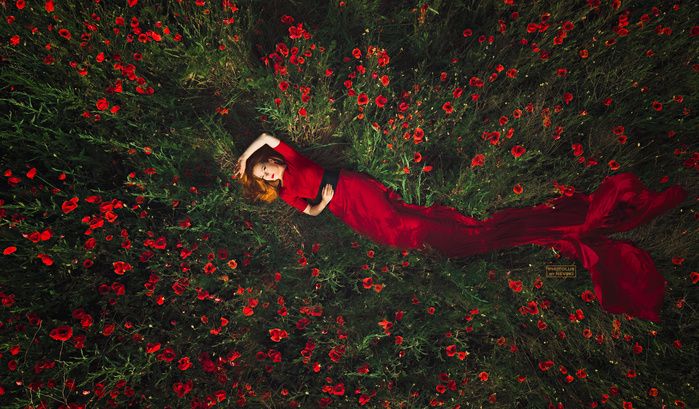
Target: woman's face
268,170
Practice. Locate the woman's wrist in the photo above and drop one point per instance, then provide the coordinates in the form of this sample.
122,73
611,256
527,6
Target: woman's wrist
318,208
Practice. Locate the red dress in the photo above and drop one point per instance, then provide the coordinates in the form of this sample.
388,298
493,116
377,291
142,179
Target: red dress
624,277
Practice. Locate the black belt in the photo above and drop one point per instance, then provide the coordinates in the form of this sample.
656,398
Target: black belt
329,176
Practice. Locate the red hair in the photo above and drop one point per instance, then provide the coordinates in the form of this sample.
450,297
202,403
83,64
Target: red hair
257,189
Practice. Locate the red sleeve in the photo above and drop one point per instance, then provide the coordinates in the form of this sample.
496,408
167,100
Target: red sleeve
294,201
292,156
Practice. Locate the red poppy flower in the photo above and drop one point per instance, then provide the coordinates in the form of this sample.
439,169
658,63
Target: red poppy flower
102,104
34,237
657,105
467,32
545,365
357,53
448,109
336,353
678,261
120,267
182,389
337,390
475,82
9,250
168,355
478,160
119,288
62,333
152,347
362,99
618,130
90,243
302,112
587,296
518,151
418,135
209,268
108,329
518,189
515,285
567,97
384,80
417,157
577,149
483,376
69,205
64,33
380,101
297,31
583,53
46,259
184,363
276,334
694,276
614,165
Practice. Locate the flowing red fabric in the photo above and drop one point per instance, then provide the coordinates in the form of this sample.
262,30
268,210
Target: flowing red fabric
624,277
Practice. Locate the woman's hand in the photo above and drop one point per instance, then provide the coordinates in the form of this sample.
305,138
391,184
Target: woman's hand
239,167
327,193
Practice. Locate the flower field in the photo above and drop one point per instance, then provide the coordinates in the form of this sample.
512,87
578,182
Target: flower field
134,274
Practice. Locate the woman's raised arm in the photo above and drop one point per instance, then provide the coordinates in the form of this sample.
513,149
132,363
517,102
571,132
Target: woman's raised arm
264,139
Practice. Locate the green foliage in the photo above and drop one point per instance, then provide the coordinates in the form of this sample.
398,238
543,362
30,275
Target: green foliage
179,293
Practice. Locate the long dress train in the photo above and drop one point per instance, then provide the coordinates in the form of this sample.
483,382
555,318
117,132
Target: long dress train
624,277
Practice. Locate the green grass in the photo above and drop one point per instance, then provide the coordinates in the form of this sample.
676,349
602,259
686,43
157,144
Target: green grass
164,161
